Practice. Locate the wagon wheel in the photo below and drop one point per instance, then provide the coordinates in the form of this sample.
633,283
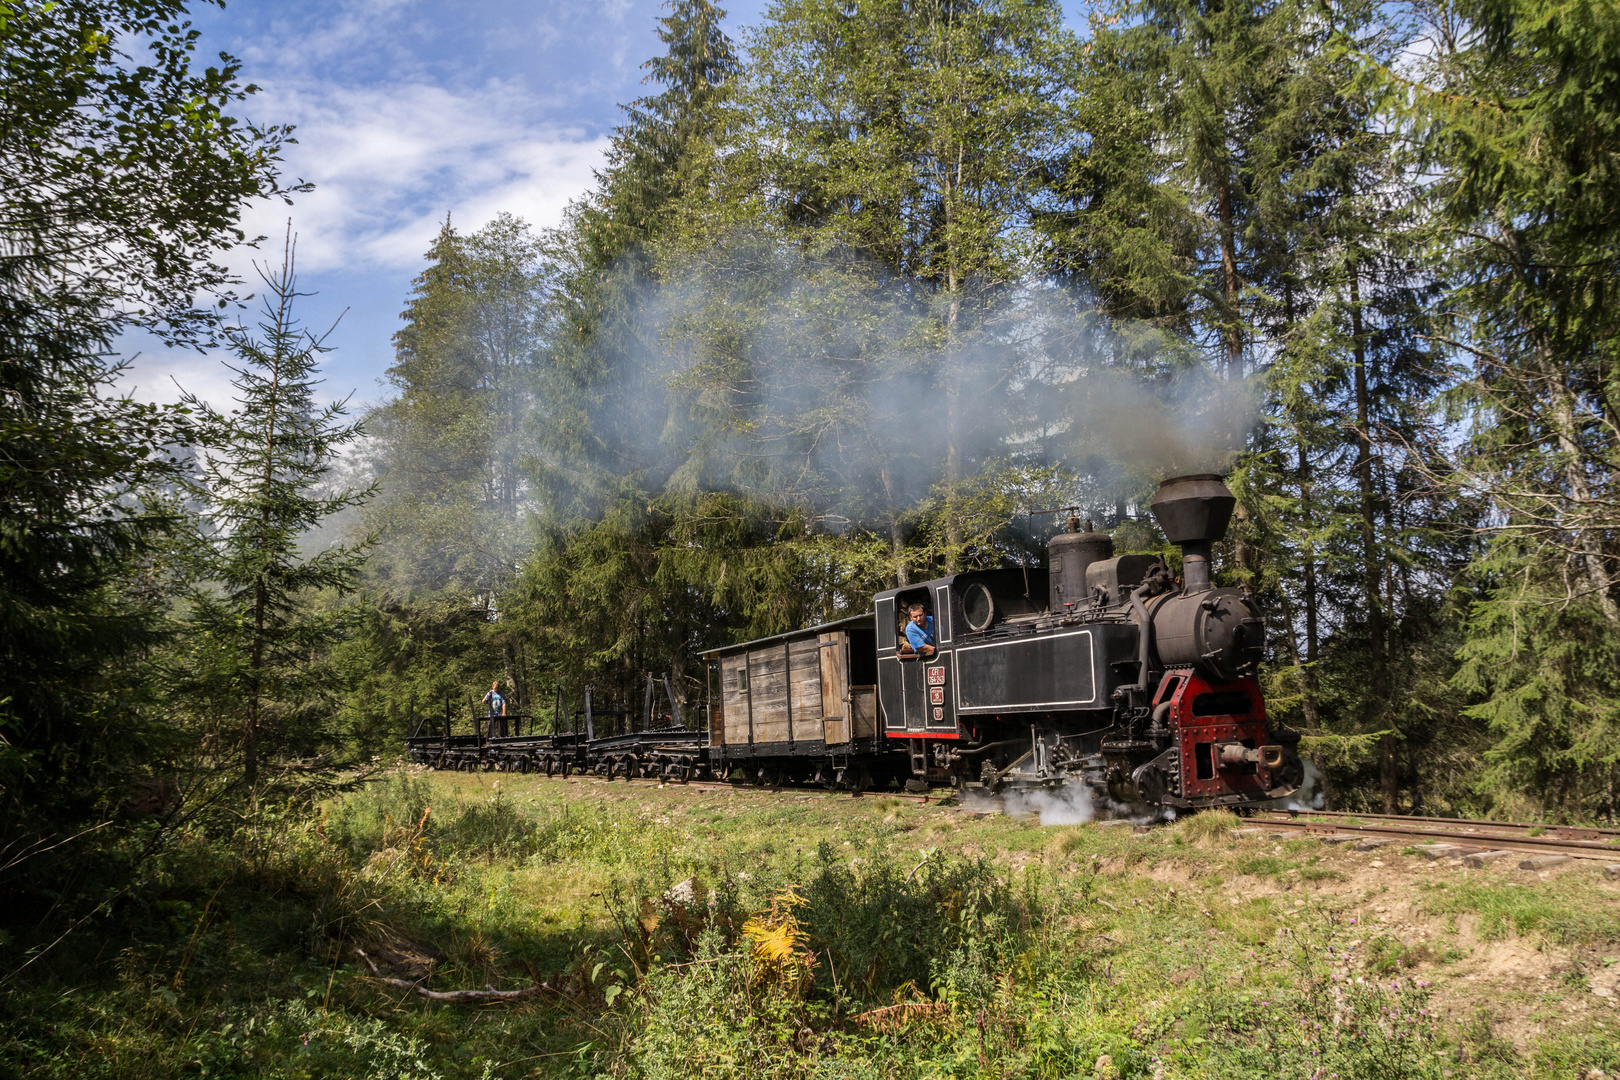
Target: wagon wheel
550,765
860,781
567,767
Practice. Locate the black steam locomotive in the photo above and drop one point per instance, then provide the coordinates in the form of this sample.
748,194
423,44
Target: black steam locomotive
1100,669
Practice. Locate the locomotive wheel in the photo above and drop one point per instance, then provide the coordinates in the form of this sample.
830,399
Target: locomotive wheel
551,765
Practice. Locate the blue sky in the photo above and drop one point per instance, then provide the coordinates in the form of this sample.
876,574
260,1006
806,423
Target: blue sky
408,110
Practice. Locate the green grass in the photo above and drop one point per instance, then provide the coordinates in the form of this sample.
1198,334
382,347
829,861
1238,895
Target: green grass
905,940
1570,910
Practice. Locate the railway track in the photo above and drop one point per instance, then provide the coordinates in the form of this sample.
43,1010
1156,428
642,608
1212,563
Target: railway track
1457,836
728,785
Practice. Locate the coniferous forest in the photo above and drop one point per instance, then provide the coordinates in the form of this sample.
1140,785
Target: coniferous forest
855,290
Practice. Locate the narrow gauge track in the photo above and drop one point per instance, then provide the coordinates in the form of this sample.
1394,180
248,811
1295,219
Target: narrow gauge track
738,785
1469,836
1560,832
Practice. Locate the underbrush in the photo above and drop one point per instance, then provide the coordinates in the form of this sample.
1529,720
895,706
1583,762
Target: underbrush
733,937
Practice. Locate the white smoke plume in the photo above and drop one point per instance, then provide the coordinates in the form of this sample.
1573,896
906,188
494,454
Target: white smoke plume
1070,804
830,383
1310,796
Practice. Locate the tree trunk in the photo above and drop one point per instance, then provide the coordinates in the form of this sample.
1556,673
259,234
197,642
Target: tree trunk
1312,630
1229,288
1372,569
897,540
1562,404
1242,551
261,591
953,387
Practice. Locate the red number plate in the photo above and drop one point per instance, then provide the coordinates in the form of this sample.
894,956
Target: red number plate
936,676
939,715
936,695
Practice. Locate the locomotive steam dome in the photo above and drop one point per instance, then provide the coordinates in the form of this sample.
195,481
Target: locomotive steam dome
1068,556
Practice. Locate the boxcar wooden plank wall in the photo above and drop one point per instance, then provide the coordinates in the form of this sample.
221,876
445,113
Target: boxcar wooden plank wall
834,688
734,699
804,689
768,683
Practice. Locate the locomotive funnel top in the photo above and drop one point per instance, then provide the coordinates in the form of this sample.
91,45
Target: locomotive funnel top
1193,508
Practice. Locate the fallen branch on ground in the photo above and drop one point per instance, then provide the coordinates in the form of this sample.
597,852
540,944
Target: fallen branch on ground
894,1017
455,997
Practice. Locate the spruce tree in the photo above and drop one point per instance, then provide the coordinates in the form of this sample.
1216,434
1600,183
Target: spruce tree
1521,108
264,488
450,444
912,135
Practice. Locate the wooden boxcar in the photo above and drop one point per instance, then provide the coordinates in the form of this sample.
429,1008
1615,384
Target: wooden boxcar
798,706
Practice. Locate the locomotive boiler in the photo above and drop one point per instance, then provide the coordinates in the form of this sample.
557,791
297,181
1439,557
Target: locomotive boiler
1119,676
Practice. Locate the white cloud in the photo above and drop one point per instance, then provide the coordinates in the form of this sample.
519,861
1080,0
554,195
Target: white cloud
398,124
389,161
159,374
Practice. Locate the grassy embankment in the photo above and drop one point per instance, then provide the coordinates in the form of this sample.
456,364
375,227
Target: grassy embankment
759,935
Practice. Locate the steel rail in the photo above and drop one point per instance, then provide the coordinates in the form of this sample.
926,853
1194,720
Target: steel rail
1567,832
1476,841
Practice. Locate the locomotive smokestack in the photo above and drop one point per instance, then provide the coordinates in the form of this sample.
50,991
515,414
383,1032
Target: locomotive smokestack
1194,511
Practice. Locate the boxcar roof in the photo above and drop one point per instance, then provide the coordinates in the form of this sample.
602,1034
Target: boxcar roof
854,622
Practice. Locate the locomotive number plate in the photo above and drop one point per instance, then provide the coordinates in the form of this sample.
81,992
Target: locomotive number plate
939,714
936,676
936,695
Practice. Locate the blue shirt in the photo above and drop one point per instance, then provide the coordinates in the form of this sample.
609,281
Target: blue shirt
917,635
497,704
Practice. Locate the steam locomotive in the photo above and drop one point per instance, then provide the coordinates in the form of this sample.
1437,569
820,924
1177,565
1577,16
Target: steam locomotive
1100,670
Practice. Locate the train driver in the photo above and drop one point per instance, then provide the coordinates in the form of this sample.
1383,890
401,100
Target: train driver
497,707
920,631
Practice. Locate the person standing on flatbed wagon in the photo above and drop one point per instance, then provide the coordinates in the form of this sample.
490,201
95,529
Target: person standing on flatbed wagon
497,709
920,631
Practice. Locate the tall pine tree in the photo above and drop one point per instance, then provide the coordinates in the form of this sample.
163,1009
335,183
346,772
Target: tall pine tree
268,462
